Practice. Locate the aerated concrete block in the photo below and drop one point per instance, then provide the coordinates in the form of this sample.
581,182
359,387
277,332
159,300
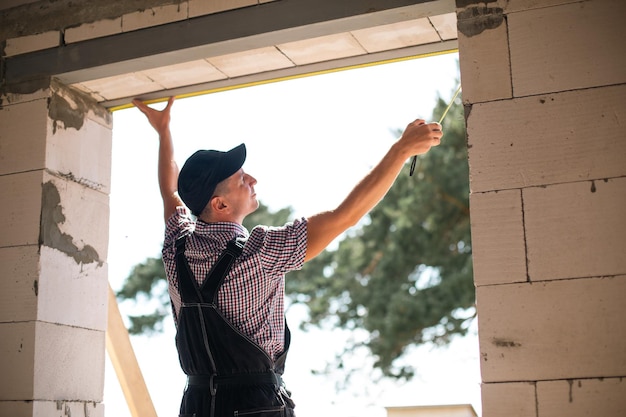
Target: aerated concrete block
74,220
104,27
154,16
19,283
23,136
566,329
203,7
514,399
582,397
69,363
20,215
498,246
17,360
484,54
576,230
31,43
567,47
72,293
51,362
79,139
547,139
522,5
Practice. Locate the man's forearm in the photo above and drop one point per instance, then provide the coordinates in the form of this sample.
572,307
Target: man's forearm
168,174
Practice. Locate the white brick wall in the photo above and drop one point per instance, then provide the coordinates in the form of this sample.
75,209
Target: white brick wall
547,172
55,176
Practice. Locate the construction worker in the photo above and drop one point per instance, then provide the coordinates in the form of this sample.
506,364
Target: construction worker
226,283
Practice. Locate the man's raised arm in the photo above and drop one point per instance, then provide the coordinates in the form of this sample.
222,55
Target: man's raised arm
323,228
167,167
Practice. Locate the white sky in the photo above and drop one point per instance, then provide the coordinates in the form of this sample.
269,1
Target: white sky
309,141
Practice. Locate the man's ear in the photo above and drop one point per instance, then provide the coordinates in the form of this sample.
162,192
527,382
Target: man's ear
218,204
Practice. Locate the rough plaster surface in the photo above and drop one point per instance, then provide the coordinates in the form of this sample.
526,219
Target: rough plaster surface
51,234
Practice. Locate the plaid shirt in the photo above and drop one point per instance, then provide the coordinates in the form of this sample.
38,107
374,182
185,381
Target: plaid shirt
252,295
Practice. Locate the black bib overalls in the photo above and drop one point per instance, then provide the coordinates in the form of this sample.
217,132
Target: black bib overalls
228,374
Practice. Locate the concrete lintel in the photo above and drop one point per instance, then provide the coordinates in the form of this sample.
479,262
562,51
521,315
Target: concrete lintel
292,72
212,35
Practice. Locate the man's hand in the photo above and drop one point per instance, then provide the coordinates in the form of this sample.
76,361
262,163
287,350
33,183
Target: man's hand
159,119
419,137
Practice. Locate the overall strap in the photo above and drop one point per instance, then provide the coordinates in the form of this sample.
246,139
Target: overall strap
187,287
216,275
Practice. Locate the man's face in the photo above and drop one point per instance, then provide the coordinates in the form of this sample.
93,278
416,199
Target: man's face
239,193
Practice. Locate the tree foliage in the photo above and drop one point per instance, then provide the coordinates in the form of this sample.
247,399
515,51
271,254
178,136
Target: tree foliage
404,276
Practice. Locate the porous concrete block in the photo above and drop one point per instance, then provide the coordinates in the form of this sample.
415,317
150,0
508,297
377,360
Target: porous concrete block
154,16
567,47
72,293
51,408
554,138
23,136
520,5
498,238
576,229
80,151
104,27
515,399
74,220
582,397
203,7
67,408
17,360
31,43
79,142
69,363
19,283
567,329
484,55
21,208
11,98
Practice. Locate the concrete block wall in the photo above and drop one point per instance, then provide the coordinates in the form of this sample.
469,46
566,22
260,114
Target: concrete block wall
66,24
544,86
55,150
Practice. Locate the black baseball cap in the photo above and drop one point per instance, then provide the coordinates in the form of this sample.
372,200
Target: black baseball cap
203,171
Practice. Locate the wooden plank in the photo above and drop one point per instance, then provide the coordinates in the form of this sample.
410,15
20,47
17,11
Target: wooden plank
125,363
